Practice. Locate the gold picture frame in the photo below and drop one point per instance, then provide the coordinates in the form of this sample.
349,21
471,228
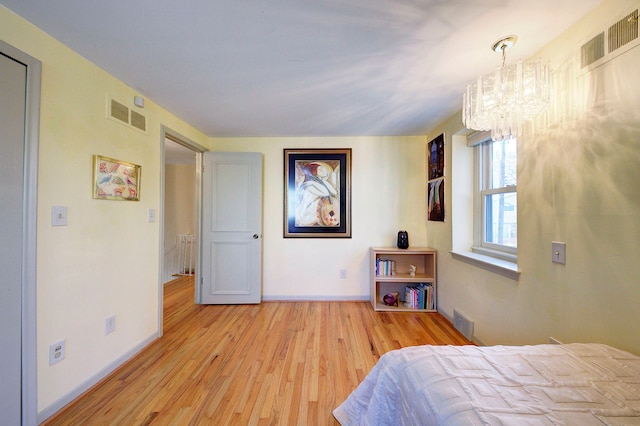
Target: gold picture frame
115,179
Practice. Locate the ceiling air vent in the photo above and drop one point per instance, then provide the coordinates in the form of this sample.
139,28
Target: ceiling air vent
592,50
119,111
623,31
138,121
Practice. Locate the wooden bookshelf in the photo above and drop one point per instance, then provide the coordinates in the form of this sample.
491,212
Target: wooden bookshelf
424,258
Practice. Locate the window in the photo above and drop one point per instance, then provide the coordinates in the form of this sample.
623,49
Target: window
496,212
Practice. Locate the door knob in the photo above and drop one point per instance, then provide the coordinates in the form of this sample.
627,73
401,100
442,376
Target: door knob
256,236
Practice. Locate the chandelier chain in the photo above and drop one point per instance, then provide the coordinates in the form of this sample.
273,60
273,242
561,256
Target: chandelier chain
504,55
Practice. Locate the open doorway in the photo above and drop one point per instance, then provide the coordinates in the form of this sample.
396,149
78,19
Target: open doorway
180,216
179,246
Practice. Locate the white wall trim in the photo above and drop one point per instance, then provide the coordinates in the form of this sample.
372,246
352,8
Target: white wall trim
361,298
491,264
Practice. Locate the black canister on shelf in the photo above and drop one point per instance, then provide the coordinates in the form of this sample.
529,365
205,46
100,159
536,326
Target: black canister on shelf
403,240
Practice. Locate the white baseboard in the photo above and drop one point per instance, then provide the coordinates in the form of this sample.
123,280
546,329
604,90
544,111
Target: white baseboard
92,381
363,298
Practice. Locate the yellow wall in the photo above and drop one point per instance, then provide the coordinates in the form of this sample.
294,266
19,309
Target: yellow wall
388,194
578,182
106,261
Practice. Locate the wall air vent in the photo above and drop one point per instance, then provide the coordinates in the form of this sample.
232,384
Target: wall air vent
126,115
138,121
119,111
592,50
623,31
463,325
620,37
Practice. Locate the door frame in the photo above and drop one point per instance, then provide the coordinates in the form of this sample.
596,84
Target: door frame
29,232
167,133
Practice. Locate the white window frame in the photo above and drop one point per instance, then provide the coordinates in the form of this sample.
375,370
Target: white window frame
482,155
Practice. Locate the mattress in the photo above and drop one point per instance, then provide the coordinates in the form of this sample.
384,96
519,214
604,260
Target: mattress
573,384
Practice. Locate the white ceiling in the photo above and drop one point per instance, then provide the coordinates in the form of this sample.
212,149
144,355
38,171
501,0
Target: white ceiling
301,67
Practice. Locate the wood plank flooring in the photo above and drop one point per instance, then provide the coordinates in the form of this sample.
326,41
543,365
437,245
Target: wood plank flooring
277,363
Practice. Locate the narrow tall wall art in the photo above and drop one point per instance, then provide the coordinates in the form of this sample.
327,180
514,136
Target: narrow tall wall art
436,179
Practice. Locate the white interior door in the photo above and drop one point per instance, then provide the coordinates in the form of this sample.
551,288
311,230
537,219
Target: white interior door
12,121
19,134
231,240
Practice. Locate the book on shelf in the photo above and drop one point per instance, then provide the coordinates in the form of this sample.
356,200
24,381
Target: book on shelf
385,267
419,296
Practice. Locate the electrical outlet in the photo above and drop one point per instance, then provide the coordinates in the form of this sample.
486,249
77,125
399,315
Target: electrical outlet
57,352
110,325
343,274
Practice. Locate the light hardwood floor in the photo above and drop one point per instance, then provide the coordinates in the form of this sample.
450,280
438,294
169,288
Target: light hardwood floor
277,363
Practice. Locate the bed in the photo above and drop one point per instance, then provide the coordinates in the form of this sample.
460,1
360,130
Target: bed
573,384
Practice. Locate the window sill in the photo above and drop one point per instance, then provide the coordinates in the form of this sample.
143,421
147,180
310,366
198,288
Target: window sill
498,266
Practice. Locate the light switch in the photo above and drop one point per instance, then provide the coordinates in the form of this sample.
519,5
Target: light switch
558,252
58,215
151,215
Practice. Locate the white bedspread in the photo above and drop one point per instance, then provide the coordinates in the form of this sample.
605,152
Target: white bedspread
573,384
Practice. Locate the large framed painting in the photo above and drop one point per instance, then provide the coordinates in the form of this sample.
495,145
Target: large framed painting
317,193
115,179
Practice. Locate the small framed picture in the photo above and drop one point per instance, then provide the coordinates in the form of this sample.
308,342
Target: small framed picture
115,179
435,155
435,201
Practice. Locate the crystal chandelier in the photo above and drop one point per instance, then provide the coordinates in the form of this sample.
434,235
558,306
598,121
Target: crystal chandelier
504,100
